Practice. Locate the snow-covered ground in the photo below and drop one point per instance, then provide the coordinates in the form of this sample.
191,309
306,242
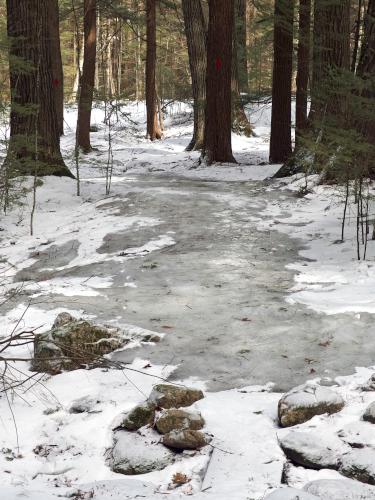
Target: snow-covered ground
47,452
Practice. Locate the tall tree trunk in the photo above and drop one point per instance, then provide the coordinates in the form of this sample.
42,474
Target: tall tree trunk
34,146
153,129
195,28
87,82
303,67
357,34
56,61
366,71
218,140
281,122
240,123
331,55
241,42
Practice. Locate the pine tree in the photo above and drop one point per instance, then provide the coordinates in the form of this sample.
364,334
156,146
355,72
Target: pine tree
87,80
153,129
218,141
281,122
195,29
34,145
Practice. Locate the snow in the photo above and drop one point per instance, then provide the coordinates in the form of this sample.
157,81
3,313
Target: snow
51,452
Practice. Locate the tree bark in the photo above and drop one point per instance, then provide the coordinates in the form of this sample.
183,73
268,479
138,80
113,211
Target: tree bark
240,123
303,68
281,122
331,55
195,29
153,129
87,82
218,141
357,34
241,42
34,145
366,71
56,60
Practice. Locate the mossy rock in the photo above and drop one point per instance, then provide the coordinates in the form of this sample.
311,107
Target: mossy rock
172,419
139,416
173,396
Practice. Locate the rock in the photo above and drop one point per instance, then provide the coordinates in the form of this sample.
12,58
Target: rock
304,402
139,416
134,454
82,405
73,343
170,420
340,489
369,415
358,434
290,494
185,440
370,384
313,450
173,396
359,464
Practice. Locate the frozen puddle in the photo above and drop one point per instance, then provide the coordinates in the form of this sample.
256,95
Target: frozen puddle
184,258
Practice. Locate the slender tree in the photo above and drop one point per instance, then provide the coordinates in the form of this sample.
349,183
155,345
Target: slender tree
195,28
241,44
357,35
153,129
87,80
56,60
34,146
281,122
218,142
240,122
303,67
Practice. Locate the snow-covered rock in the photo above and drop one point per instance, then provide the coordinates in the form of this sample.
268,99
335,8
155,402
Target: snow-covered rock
73,343
291,494
185,440
313,449
370,384
360,464
172,419
369,415
340,489
82,405
358,434
133,453
304,402
173,396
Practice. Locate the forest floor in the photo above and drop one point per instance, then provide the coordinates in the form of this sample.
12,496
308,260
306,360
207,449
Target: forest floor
244,278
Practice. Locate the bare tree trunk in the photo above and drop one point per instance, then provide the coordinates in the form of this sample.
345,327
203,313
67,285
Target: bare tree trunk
357,34
218,141
240,123
34,147
56,61
241,42
303,67
153,130
88,77
195,28
281,123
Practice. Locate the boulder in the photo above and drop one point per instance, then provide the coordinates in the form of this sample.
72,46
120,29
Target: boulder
143,414
313,450
185,440
304,402
290,494
83,405
369,415
134,454
370,384
358,434
359,464
172,420
173,396
72,344
340,489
